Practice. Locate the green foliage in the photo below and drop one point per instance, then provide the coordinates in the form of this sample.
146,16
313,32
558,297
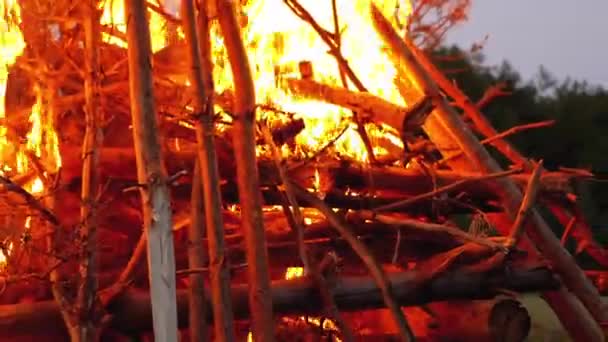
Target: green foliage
578,139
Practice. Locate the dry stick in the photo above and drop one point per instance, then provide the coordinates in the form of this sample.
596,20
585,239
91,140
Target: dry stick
260,297
337,37
432,227
292,209
31,201
542,235
470,109
377,108
333,42
508,132
447,188
491,93
199,48
196,258
87,291
567,231
151,173
527,204
367,258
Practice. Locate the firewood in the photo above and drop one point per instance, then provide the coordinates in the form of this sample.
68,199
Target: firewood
206,192
260,298
131,312
374,108
119,163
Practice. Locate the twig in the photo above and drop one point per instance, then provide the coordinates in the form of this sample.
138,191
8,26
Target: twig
190,271
511,131
451,187
291,208
431,227
491,93
367,258
527,204
317,153
30,200
517,129
567,231
325,266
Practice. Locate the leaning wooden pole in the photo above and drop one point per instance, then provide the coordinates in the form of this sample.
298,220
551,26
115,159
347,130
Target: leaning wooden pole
197,313
540,233
87,291
151,174
260,299
202,82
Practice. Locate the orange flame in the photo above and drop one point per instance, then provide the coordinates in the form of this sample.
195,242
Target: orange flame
276,39
42,139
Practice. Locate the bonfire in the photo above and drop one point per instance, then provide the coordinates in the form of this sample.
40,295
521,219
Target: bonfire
289,169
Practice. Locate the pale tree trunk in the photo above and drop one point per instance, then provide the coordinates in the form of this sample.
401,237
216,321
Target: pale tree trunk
243,133
87,291
151,174
202,81
539,232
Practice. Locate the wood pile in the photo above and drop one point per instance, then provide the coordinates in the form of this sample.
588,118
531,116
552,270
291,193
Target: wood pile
433,225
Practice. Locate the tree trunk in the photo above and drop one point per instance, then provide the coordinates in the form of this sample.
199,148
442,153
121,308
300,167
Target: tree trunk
151,174
260,298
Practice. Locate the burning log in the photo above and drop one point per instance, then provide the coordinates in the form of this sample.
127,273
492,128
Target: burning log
119,163
131,312
376,108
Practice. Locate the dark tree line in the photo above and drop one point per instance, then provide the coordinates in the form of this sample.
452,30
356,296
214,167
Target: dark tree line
579,137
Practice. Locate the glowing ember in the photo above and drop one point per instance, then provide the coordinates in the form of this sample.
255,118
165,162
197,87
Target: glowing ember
4,254
294,272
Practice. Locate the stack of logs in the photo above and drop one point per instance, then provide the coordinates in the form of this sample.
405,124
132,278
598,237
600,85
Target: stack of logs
406,221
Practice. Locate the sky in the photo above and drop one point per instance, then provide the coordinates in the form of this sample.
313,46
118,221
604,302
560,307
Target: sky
568,37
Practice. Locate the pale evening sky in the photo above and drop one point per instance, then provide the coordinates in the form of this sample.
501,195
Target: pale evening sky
568,37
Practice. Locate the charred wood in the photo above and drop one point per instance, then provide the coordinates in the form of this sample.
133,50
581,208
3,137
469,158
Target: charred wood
132,312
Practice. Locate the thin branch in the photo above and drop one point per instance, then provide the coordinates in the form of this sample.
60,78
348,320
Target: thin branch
568,230
494,91
511,131
34,203
527,204
292,208
448,188
431,227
